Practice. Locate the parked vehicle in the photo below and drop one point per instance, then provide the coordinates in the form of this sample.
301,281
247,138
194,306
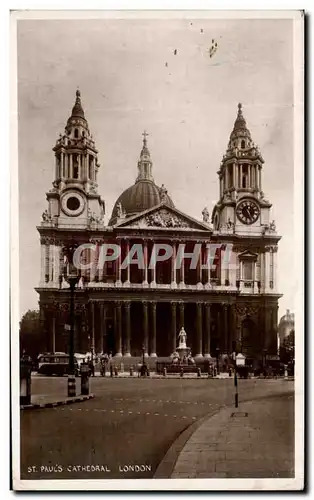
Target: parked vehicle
56,364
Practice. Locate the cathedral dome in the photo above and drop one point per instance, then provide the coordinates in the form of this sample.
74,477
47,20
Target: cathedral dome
144,194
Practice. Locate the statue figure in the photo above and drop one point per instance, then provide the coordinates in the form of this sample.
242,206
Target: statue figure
205,215
163,192
230,224
46,217
119,210
272,226
182,338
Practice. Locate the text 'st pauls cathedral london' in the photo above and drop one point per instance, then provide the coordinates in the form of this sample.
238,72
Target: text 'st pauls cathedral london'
224,290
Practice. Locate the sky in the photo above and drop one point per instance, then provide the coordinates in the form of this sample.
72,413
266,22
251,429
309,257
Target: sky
188,107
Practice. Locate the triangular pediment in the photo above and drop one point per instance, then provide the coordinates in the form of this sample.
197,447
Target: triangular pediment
247,254
163,217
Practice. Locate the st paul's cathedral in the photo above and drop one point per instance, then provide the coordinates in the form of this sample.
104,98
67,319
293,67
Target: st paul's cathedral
124,309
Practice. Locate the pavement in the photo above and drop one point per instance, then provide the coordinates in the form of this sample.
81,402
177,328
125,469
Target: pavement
49,401
128,428
253,441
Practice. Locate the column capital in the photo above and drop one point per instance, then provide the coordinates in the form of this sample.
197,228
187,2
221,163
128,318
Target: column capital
127,304
118,303
144,303
153,304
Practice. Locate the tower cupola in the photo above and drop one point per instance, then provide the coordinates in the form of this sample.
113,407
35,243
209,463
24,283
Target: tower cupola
75,152
145,163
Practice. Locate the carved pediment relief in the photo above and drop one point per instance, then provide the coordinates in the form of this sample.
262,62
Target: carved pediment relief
164,218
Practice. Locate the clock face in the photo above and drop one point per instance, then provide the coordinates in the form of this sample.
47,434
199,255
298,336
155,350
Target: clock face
72,203
248,211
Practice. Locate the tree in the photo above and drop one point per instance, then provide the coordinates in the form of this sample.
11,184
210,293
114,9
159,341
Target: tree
30,333
287,348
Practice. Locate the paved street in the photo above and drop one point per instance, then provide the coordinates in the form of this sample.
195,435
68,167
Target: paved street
255,441
127,429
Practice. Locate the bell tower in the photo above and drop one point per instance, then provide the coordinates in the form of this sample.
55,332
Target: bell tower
74,198
241,204
74,205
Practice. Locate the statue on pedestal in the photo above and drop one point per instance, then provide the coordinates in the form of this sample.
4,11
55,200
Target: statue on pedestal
182,338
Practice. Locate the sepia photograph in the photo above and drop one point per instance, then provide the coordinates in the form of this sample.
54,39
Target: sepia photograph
156,321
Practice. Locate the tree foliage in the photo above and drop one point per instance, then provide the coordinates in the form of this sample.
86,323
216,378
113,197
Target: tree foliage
31,339
287,348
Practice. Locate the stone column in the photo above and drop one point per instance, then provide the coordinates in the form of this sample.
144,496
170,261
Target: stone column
240,183
145,282
275,269
173,265
145,327
56,263
153,259
93,258
79,167
119,330
199,334
174,325
207,331
57,166
61,174
153,353
182,284
249,175
47,261
199,268
127,352
71,166
102,323
99,259
42,262
267,269
118,266
93,328
128,269
181,314
234,175
219,335
260,178
51,261
208,265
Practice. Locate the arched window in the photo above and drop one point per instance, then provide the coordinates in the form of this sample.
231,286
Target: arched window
242,144
83,134
76,134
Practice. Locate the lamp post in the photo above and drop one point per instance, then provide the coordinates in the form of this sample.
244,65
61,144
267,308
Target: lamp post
72,279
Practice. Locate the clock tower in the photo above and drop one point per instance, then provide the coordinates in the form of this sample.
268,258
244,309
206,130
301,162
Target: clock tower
241,202
74,205
241,223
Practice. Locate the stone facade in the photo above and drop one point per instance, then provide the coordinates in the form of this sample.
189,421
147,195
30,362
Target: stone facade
122,308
